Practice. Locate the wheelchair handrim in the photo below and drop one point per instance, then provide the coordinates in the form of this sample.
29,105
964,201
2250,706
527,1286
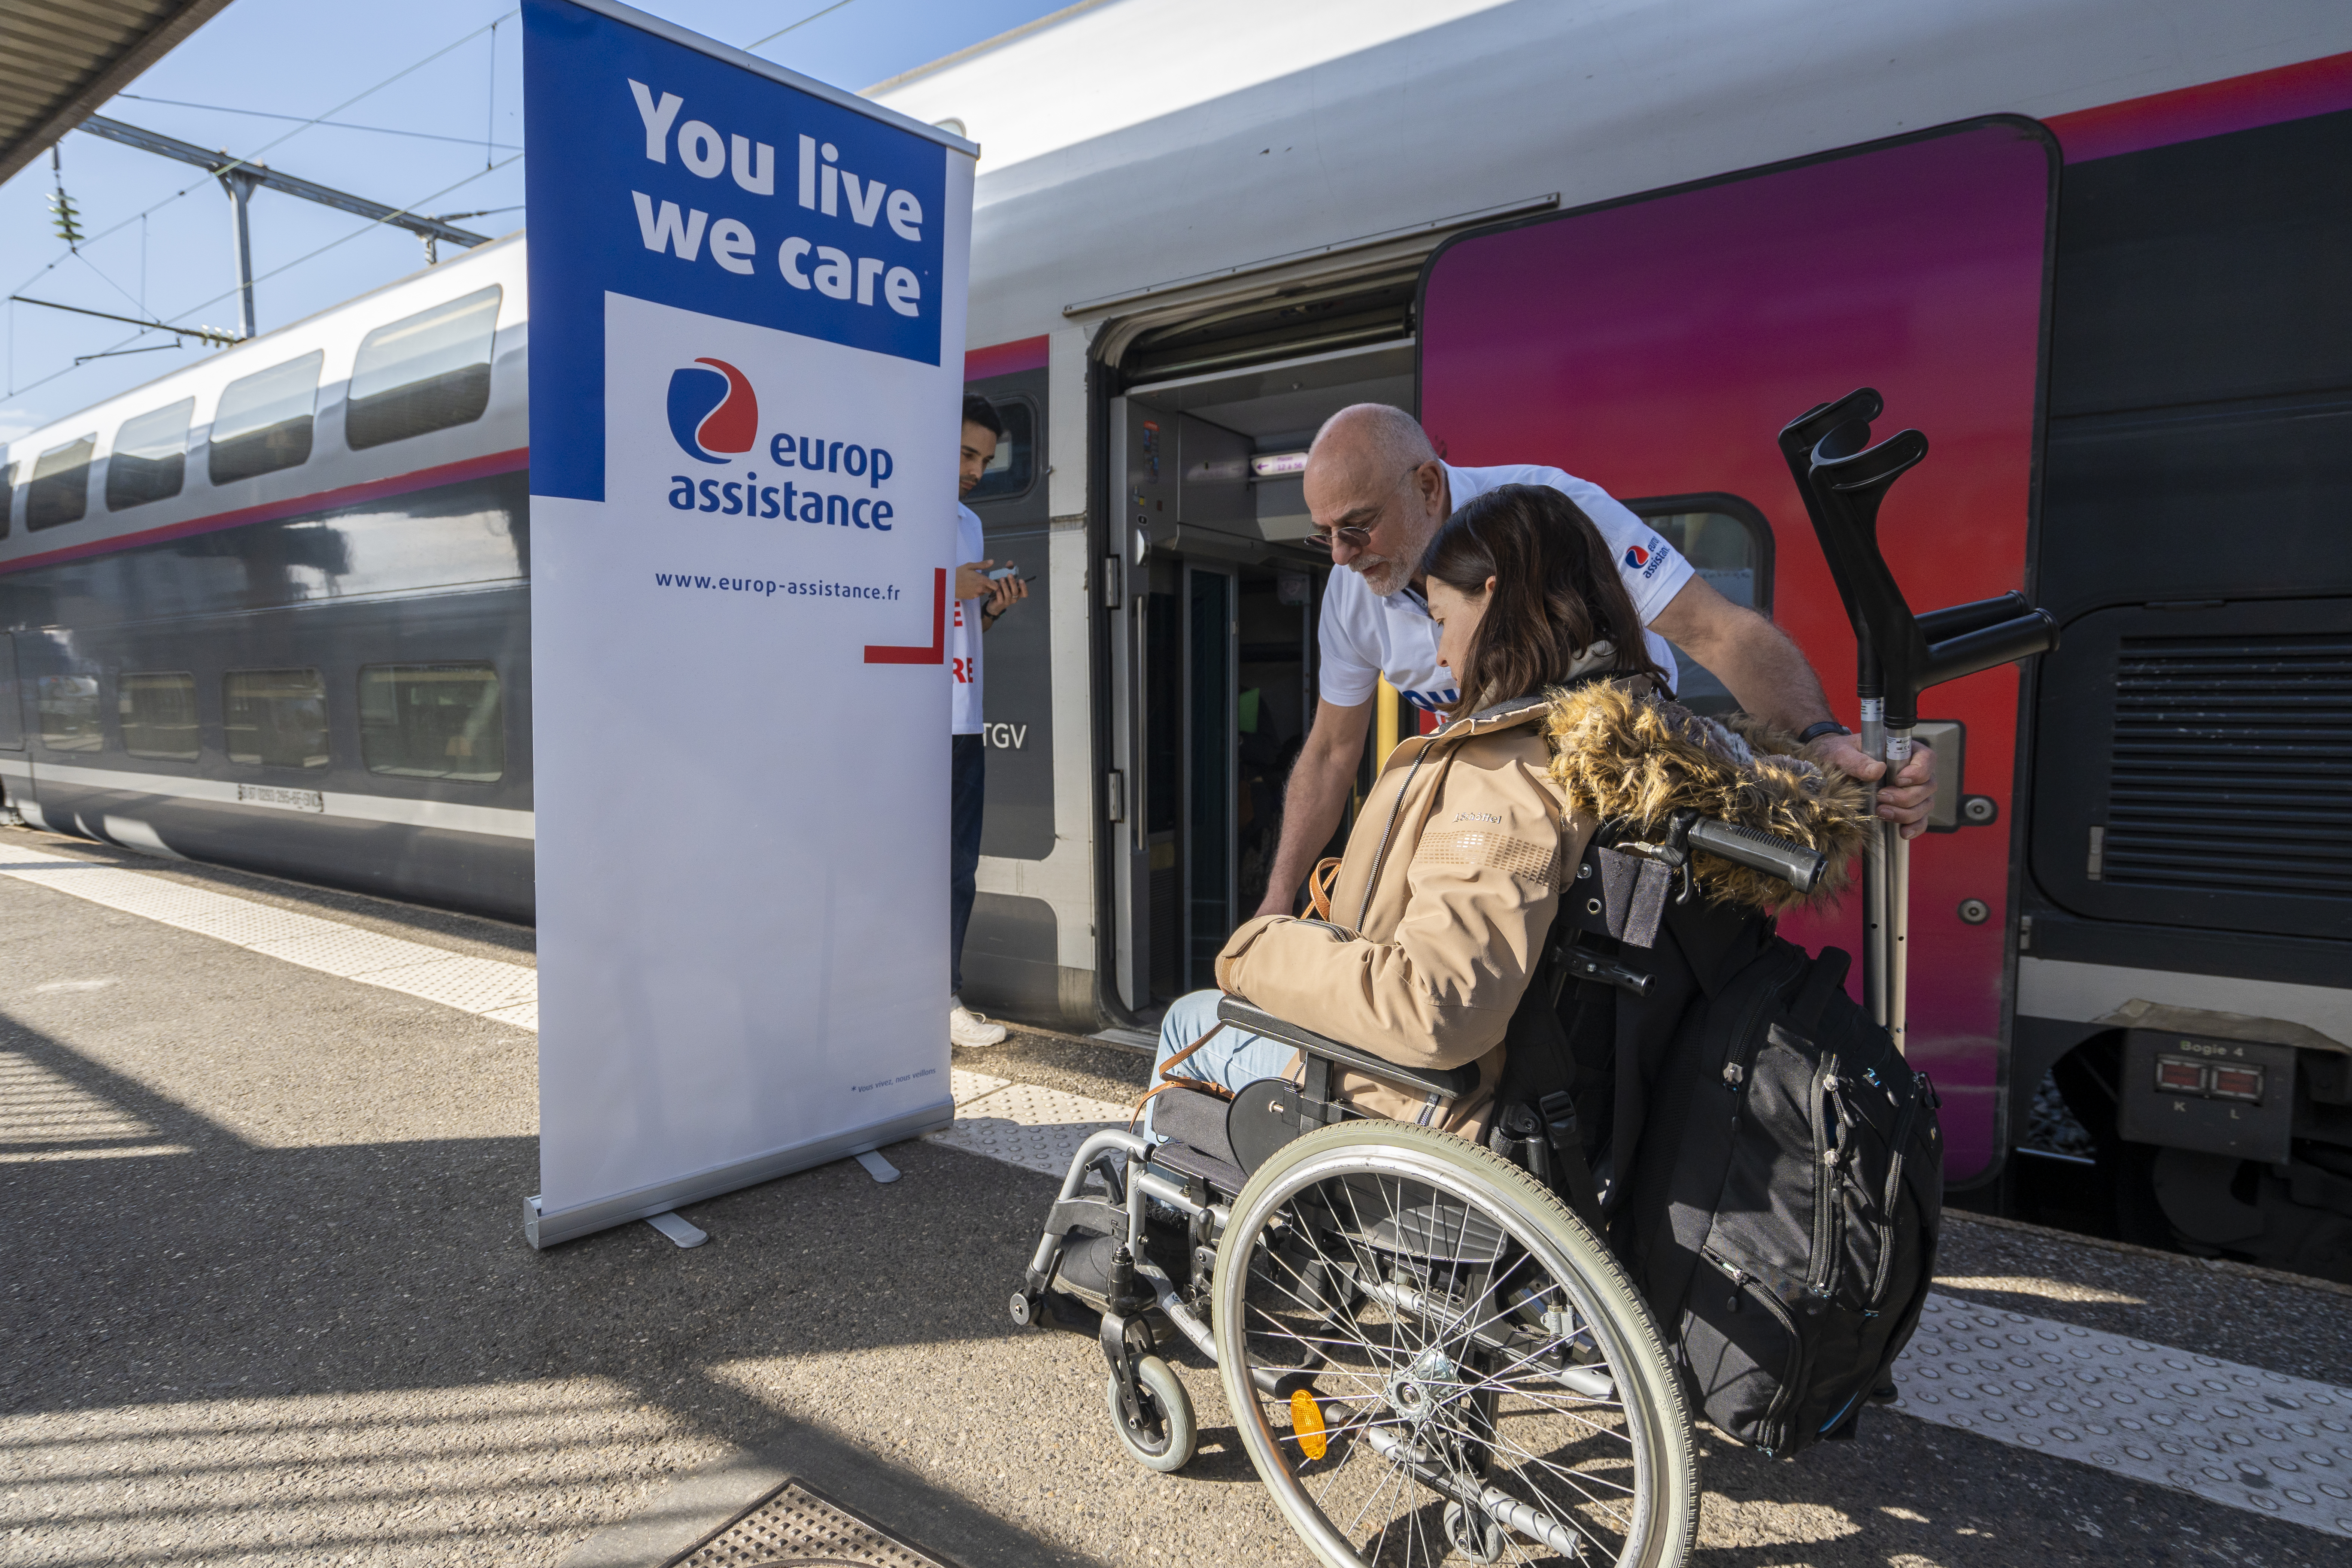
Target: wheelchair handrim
1648,1445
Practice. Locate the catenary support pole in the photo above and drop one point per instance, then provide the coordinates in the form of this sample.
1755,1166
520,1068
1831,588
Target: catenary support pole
239,185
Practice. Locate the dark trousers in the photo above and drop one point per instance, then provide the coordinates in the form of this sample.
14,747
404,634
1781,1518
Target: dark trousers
970,775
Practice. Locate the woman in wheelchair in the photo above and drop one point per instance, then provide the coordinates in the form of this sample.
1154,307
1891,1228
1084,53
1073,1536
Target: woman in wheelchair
1427,931
1428,1353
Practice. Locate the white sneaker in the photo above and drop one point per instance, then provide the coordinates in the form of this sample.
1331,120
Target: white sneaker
970,1030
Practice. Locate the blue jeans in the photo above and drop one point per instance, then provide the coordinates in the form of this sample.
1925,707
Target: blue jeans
1233,1058
970,773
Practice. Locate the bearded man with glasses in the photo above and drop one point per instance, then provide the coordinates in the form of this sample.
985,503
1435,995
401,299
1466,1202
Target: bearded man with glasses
1378,491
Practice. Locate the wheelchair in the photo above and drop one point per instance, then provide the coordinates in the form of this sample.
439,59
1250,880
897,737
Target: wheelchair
1428,1356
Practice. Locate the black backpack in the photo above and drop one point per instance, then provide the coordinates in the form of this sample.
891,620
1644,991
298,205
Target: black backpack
1780,1203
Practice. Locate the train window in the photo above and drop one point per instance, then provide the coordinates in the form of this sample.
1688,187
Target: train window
426,372
432,721
277,718
8,491
150,457
159,715
1010,472
263,423
59,491
1729,545
69,705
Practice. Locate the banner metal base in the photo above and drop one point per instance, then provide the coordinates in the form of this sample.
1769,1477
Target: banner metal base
542,1229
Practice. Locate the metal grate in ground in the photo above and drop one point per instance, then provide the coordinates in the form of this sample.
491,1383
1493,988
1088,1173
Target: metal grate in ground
798,1529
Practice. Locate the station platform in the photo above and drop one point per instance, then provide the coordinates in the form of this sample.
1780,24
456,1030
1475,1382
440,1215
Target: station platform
263,1149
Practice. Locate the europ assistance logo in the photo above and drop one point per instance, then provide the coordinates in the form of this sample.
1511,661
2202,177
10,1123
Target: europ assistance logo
1647,559
713,413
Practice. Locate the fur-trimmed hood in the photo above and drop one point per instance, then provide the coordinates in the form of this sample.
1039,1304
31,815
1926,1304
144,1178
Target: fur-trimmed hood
1627,757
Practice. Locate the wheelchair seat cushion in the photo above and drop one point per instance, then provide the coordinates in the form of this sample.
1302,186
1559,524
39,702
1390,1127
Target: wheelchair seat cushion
1195,1122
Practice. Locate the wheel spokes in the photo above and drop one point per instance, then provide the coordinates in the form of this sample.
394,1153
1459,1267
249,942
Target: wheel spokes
1444,1362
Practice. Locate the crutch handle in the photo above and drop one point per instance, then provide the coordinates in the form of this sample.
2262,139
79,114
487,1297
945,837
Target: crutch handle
1999,643
1953,619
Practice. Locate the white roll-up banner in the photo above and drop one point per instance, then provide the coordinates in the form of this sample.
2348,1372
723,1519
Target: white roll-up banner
747,322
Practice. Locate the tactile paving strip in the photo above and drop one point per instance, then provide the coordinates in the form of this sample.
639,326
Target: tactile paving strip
1023,1124
469,985
2258,1440
796,1527
507,992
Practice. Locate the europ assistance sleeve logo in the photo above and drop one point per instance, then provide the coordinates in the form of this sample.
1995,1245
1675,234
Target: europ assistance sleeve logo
713,413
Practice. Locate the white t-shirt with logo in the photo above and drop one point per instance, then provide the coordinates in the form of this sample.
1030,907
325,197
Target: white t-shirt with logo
965,629
1365,636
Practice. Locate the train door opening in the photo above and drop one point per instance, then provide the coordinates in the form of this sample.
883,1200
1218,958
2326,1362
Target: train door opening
1213,655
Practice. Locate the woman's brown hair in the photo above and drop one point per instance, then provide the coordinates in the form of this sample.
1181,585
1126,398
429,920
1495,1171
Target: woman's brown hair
1557,592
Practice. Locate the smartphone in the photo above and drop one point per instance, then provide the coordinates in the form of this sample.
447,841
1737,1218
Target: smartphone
1002,573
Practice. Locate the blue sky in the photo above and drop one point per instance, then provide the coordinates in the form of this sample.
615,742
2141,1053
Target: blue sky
301,58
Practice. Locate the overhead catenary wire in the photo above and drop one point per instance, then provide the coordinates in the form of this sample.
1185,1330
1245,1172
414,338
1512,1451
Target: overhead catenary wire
321,125
164,324
490,115
235,163
804,22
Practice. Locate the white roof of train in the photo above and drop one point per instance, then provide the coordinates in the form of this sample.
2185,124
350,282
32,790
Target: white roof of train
336,334
1130,142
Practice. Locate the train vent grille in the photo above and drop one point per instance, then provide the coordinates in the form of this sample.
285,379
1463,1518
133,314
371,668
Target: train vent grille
2232,765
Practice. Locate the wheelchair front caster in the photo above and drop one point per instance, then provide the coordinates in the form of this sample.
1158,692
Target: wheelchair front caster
1164,1438
1026,1307
1472,1534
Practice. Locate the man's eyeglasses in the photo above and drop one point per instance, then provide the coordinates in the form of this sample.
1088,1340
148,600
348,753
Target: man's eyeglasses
1353,538
1357,538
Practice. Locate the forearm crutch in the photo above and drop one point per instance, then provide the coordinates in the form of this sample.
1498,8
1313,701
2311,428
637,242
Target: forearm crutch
1843,481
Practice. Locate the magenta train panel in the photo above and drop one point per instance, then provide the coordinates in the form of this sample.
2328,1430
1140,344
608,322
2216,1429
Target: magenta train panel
1657,348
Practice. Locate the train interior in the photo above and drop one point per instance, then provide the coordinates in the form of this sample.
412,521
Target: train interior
1220,639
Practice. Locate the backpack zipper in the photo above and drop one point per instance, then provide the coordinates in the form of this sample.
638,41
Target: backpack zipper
1826,1156
1795,1372
1737,1083
1767,1426
1899,1143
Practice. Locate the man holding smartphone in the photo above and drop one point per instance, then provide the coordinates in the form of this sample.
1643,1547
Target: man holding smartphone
983,594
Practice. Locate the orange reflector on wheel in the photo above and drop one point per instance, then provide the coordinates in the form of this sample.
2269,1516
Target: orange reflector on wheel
1307,1423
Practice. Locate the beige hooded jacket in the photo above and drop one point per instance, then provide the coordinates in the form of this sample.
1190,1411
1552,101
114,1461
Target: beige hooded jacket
1455,867
1438,915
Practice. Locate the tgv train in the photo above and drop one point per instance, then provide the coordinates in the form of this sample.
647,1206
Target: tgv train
271,610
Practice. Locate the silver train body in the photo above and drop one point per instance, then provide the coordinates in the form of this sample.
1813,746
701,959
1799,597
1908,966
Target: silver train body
237,605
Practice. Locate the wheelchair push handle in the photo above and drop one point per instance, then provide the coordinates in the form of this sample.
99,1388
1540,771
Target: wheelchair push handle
1786,858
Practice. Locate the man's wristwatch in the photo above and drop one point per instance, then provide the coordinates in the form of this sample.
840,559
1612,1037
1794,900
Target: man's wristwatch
1813,732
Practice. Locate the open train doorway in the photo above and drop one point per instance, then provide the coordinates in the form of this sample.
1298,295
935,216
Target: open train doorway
1213,656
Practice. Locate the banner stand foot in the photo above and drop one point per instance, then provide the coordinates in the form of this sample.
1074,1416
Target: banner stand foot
678,1230
881,1170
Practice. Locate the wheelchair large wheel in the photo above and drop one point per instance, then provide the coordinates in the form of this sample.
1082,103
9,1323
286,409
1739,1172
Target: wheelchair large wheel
1430,1358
